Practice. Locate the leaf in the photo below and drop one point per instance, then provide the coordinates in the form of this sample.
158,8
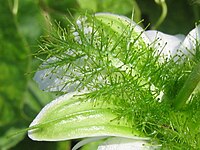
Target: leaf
87,4
126,7
31,22
14,63
6,142
35,99
71,117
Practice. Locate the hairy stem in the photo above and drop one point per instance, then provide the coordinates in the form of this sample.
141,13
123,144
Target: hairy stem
15,7
188,88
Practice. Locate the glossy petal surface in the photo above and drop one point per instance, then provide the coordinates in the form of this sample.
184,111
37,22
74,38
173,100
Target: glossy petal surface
70,117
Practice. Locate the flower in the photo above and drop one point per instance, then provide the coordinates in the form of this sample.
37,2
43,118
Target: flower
77,115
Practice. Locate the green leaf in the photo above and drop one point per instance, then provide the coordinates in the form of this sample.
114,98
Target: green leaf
14,63
31,22
71,117
88,4
125,7
6,142
35,99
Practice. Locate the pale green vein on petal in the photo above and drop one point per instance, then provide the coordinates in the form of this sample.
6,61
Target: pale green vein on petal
86,124
85,131
117,22
68,104
69,118
121,23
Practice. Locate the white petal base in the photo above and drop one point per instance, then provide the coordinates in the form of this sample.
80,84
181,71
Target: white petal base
119,143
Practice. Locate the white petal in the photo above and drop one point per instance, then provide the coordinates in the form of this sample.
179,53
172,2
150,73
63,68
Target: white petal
86,141
119,143
189,44
58,78
166,45
54,80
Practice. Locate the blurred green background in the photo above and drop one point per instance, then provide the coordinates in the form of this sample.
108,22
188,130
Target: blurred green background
23,22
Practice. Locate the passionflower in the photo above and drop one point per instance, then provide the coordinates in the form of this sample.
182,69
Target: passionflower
102,62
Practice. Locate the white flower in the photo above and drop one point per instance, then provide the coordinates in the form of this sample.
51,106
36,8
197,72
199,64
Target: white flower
167,46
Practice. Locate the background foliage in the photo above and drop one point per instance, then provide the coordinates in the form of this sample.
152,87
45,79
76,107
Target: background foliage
21,25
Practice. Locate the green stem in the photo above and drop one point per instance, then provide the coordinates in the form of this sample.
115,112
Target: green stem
163,14
188,88
137,12
15,7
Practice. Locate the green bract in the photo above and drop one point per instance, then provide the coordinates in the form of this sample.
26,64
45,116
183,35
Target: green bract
121,81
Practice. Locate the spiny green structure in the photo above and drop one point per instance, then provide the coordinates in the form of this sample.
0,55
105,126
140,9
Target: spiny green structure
122,76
